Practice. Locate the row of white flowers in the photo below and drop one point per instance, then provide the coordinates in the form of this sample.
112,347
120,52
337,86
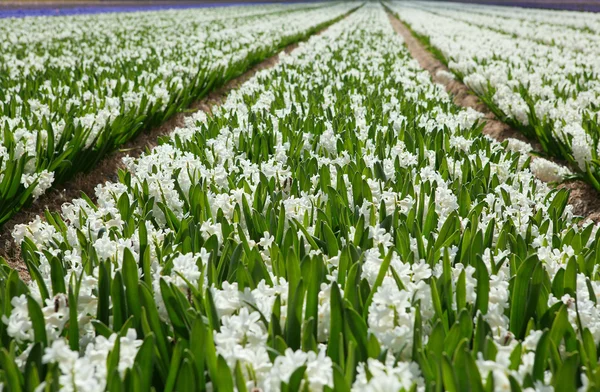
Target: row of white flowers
580,40
73,88
577,20
337,224
538,75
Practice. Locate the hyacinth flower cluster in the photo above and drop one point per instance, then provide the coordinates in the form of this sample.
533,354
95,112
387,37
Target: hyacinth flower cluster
536,70
74,88
337,224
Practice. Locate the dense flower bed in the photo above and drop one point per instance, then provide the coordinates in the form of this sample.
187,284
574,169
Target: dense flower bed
74,88
336,224
537,70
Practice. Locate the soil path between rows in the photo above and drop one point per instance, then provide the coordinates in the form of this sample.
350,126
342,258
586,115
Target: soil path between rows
107,169
583,197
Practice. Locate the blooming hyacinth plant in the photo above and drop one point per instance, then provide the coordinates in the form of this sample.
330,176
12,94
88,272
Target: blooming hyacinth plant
74,88
536,70
337,224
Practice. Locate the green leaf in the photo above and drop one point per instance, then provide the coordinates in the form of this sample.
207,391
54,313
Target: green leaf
197,348
293,327
240,382
103,308
118,300
483,287
57,273
224,380
519,297
336,320
73,321
131,280
14,379
37,320
145,360
359,329
461,291
566,377
112,362
448,375
340,383
560,326
589,346
186,380
153,325
330,240
34,369
174,367
174,309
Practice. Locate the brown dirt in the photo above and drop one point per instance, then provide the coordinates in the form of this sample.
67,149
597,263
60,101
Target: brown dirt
584,198
107,169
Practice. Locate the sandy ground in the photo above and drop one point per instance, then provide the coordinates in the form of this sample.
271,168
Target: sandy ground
583,197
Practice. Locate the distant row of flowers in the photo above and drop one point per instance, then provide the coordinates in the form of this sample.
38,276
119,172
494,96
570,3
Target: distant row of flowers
99,8
74,88
537,70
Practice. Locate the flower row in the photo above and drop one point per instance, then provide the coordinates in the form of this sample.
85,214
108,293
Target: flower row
74,88
538,75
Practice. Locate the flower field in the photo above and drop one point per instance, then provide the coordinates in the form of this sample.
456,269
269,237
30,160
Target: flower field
537,70
338,223
69,93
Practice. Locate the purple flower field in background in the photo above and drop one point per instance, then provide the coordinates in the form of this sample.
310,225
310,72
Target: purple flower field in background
62,9
72,9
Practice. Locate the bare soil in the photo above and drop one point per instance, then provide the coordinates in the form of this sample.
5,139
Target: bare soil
583,197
